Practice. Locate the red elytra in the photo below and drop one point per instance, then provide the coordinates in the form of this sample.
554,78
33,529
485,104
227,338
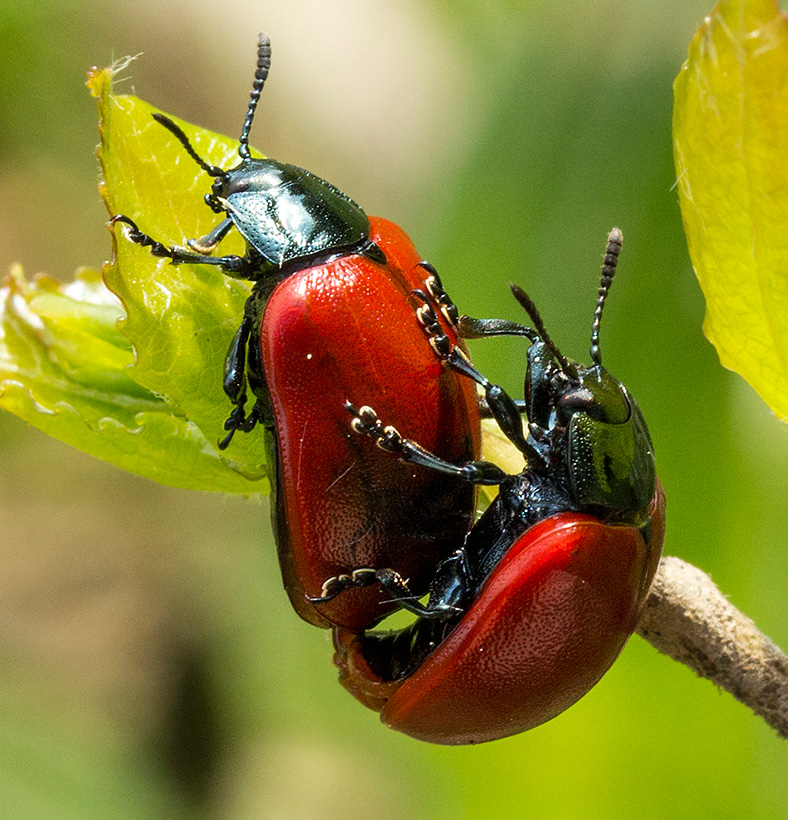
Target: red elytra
548,623
345,331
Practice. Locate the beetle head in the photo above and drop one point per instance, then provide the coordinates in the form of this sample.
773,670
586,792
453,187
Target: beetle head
555,387
597,428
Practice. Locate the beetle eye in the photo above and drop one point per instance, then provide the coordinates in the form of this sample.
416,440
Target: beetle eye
236,185
576,400
603,401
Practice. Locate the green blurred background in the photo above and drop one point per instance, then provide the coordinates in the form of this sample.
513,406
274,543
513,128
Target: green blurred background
150,665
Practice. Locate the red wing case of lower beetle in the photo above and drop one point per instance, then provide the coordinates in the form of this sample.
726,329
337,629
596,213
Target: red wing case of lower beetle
348,331
547,624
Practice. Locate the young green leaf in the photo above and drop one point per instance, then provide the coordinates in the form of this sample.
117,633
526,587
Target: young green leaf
181,318
64,368
134,376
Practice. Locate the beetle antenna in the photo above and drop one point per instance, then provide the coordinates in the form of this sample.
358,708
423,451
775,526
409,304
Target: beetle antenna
212,170
614,241
533,312
260,76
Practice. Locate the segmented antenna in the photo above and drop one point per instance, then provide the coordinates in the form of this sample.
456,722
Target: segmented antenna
260,76
184,141
530,308
614,241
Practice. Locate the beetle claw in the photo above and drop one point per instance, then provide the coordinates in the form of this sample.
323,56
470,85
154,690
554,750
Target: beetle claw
363,577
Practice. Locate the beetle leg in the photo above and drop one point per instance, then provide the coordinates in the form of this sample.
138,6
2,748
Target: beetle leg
498,400
233,265
242,368
235,363
497,403
504,409
448,589
438,292
364,577
399,590
232,423
234,382
501,405
206,244
470,328
439,341
366,422
255,374
486,413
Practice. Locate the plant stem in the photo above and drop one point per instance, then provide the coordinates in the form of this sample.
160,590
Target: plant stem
687,618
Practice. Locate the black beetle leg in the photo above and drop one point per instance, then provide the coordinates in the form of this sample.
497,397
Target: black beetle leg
140,238
238,266
366,422
467,328
448,589
240,372
232,423
470,328
428,319
505,410
235,362
234,382
391,581
438,293
206,244
501,405
364,577
255,372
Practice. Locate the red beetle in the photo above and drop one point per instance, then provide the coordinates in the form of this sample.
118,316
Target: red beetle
548,623
535,606
349,330
332,317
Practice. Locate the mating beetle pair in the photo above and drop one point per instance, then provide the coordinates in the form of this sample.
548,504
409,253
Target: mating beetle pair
530,612
344,314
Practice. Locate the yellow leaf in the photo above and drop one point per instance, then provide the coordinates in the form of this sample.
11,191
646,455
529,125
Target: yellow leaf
730,130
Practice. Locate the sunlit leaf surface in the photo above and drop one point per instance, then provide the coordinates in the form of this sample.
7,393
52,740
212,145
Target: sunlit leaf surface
731,145
134,376
64,367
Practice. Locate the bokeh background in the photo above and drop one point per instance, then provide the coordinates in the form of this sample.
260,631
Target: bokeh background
150,665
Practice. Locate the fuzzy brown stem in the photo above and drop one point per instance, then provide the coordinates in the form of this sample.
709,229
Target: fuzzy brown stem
687,618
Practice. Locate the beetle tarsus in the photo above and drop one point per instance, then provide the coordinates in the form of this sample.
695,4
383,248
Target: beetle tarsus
233,422
138,237
224,443
239,420
363,577
366,422
439,294
428,319
254,418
